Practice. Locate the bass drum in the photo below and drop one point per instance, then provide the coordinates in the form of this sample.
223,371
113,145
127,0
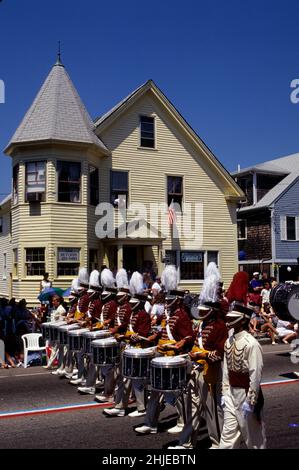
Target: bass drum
284,300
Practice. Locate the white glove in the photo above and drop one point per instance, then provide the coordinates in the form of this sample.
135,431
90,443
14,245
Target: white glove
222,401
247,408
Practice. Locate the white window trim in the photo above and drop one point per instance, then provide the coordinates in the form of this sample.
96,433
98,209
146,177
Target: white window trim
61,276
205,262
283,228
155,132
4,276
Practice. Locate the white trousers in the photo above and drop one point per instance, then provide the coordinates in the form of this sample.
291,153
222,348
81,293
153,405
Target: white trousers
237,428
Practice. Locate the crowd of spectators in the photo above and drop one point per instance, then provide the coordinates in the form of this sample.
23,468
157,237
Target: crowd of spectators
16,319
264,321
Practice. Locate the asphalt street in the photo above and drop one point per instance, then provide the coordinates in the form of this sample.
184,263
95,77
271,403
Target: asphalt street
23,390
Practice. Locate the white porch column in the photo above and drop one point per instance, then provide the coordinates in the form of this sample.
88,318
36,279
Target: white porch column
120,256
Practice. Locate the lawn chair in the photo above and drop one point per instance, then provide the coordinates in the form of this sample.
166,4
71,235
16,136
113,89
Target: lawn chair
31,343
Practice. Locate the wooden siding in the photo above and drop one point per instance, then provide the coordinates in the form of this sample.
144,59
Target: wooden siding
174,155
287,205
5,247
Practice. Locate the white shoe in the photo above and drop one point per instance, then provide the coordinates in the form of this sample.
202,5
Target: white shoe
70,376
214,446
75,371
103,399
74,376
55,372
114,412
176,429
87,390
145,430
136,414
76,381
296,373
178,447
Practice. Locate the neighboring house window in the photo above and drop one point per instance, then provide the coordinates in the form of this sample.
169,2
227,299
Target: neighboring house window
15,184
242,229
289,228
68,261
192,265
35,261
4,266
213,257
1,224
35,181
119,187
69,178
15,262
147,131
175,190
94,186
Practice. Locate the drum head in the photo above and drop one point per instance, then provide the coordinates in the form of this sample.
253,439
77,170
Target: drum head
77,332
97,334
293,302
279,300
139,352
104,343
167,361
69,327
56,324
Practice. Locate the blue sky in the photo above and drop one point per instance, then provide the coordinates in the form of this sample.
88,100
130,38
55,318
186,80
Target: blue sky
226,65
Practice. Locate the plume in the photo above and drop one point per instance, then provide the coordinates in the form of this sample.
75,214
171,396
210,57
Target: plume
83,276
75,285
169,278
122,278
94,278
107,279
238,289
136,283
209,291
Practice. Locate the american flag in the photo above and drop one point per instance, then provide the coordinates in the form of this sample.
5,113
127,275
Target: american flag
171,214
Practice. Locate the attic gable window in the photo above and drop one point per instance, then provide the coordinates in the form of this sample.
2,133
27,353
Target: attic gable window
147,132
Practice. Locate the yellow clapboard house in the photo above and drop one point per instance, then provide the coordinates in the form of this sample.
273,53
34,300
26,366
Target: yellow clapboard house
139,156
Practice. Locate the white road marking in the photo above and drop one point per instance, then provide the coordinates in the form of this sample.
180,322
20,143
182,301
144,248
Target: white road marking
23,375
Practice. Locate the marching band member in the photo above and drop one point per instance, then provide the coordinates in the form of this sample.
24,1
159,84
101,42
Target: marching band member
93,322
242,395
79,317
204,387
174,337
58,313
67,366
107,320
138,323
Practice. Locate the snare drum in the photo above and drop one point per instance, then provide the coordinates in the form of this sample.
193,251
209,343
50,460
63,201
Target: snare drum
63,331
90,336
75,339
168,374
54,328
137,363
105,351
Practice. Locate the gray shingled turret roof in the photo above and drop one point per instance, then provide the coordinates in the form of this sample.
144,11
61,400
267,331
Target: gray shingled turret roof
57,114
